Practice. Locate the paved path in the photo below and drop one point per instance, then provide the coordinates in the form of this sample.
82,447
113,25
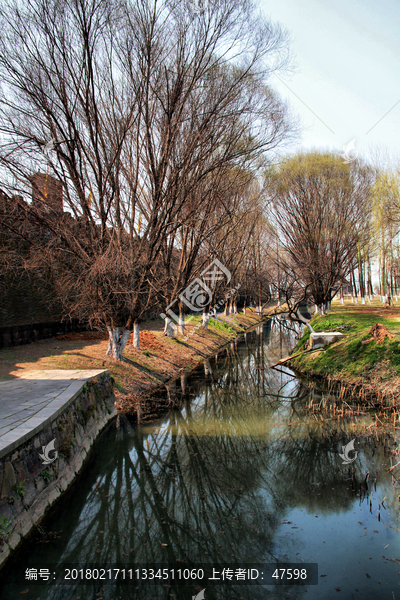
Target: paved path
35,398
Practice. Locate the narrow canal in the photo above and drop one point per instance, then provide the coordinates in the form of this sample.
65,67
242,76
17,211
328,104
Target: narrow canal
240,475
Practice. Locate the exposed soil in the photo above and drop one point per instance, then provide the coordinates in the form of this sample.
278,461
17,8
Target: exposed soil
159,359
148,341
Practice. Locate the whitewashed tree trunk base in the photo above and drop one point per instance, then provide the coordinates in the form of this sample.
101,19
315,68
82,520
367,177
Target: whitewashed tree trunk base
116,344
181,325
168,327
206,319
136,336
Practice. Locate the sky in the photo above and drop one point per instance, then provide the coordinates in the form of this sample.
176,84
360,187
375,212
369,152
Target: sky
345,84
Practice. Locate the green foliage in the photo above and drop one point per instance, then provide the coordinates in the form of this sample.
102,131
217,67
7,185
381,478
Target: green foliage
84,388
20,488
5,528
146,353
351,357
303,340
221,326
46,475
330,322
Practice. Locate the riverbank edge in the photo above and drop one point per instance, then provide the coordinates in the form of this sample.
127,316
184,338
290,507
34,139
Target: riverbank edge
378,385
28,487
239,325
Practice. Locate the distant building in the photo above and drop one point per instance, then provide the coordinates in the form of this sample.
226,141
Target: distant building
47,193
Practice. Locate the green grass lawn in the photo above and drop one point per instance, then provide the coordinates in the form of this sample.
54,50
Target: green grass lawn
349,357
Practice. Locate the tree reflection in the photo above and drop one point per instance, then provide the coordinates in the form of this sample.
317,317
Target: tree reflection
212,481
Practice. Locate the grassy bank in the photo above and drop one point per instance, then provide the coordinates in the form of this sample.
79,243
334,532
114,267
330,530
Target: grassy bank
362,365
160,358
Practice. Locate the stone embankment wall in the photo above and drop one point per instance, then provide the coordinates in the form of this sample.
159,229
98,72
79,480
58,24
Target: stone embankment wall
27,486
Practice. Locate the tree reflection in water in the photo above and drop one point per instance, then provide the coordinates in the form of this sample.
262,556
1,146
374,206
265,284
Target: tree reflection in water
209,483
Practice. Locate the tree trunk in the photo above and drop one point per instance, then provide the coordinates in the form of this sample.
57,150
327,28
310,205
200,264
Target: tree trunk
303,320
369,284
117,343
181,325
136,337
354,287
184,384
207,368
206,318
168,327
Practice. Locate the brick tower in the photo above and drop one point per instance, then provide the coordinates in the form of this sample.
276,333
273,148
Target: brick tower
47,193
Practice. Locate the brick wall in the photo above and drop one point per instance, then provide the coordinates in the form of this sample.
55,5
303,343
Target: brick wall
16,335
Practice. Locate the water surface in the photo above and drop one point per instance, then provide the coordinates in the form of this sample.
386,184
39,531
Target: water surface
239,473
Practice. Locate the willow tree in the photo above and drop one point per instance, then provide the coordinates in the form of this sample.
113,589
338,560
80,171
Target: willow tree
385,195
321,211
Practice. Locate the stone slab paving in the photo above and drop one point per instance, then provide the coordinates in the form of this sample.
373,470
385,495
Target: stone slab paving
29,402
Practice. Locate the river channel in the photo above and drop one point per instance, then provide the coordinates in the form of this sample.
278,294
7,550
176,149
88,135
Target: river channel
238,477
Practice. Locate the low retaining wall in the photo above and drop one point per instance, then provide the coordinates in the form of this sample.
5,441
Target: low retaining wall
319,339
16,335
27,486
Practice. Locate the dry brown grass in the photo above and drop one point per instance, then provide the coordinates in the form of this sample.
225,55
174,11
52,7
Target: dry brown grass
159,359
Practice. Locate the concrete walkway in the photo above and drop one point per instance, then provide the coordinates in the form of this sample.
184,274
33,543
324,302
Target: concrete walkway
31,401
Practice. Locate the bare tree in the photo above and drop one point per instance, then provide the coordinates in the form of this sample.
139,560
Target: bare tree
136,105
